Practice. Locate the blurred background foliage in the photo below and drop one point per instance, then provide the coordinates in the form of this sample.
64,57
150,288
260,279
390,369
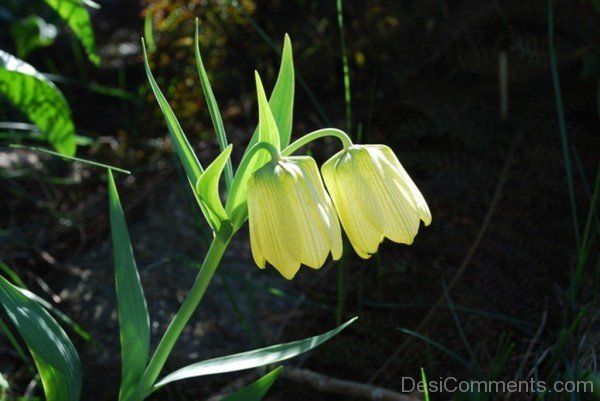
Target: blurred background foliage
425,80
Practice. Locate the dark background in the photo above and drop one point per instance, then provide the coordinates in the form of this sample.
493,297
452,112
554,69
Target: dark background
488,277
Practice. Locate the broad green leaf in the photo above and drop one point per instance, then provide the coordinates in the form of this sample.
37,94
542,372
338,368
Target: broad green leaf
208,185
74,13
251,359
257,390
134,323
30,33
14,277
267,132
213,107
39,100
193,168
53,353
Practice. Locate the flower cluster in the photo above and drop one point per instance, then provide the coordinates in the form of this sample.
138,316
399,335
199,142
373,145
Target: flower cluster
294,220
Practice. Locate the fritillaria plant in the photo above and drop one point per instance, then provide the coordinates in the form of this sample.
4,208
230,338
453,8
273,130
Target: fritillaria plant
296,215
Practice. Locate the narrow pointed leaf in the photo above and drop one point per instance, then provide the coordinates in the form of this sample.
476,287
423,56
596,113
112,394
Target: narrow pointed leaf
39,100
251,359
193,168
282,97
213,107
134,323
267,132
208,185
257,390
74,13
53,353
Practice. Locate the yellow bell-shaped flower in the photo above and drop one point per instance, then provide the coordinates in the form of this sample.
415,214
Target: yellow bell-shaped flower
374,197
292,220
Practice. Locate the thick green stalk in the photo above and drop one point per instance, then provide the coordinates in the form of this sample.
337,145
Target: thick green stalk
306,139
209,266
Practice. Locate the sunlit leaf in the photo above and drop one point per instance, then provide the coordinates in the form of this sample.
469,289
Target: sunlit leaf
213,107
53,353
257,390
30,33
251,359
208,185
267,132
193,168
77,17
38,99
134,323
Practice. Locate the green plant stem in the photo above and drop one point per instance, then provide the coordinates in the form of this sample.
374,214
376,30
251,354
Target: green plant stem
306,139
562,126
346,69
157,362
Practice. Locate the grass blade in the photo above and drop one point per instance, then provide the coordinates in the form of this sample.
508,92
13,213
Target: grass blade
53,353
71,158
39,100
213,107
134,323
251,359
257,390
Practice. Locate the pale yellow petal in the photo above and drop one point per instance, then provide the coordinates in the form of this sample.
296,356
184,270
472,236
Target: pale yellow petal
393,199
278,238
421,204
349,200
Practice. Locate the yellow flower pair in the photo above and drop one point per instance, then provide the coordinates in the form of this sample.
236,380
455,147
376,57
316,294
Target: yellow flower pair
293,220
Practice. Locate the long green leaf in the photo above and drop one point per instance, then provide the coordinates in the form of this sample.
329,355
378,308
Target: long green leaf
208,185
251,359
282,97
39,100
213,107
193,168
31,33
53,353
267,132
257,390
134,323
74,13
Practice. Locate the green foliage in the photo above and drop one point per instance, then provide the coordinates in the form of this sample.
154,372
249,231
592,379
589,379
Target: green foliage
207,187
54,355
31,33
74,13
134,322
251,359
38,99
257,390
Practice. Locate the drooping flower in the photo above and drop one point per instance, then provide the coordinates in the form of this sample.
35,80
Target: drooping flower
374,197
292,220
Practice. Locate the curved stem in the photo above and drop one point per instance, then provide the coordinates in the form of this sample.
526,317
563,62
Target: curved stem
209,266
306,139
248,156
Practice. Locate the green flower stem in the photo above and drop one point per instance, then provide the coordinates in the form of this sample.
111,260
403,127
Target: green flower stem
209,266
306,139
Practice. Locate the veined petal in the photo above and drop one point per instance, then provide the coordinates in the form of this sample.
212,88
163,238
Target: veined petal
279,241
320,226
421,204
349,200
394,200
